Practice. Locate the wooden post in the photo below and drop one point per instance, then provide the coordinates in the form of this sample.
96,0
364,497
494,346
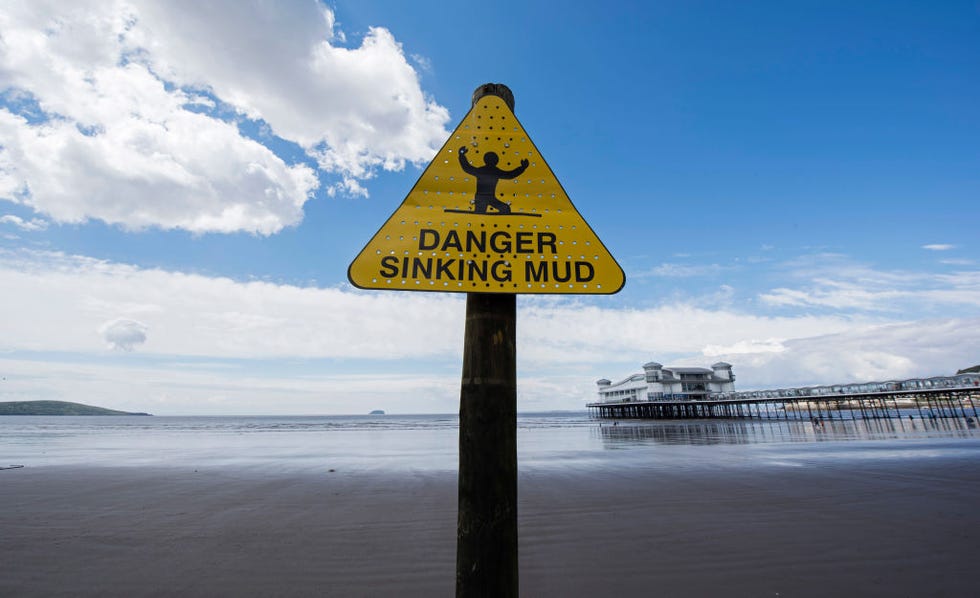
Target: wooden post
486,533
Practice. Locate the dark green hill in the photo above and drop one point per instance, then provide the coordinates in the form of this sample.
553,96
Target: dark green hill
56,408
975,368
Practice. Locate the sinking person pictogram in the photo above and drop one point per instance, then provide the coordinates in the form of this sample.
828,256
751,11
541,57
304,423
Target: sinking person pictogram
486,184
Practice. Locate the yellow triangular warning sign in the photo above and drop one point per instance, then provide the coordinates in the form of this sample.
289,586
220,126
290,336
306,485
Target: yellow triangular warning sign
487,216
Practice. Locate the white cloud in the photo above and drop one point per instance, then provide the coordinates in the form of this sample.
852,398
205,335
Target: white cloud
188,172
123,334
769,345
123,84
32,225
852,295
60,299
412,342
673,270
957,262
832,282
938,247
423,62
564,331
355,109
863,353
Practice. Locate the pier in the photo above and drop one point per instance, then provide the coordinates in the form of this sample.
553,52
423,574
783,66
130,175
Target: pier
957,402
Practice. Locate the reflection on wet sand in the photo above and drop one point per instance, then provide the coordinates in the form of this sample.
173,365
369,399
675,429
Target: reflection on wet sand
617,434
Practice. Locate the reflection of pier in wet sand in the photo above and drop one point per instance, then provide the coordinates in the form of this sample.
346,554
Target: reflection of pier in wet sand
922,404
743,431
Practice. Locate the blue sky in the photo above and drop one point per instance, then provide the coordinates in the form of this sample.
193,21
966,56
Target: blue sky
790,187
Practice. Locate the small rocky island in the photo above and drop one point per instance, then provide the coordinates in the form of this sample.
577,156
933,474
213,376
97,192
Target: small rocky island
377,412
56,408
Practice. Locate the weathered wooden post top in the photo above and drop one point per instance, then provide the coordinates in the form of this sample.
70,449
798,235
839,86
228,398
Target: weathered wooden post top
488,218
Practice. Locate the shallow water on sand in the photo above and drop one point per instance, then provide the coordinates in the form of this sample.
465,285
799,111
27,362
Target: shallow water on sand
414,443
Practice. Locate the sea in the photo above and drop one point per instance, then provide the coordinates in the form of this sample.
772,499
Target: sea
428,443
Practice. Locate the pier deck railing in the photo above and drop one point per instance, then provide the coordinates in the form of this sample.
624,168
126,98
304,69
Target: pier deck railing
923,403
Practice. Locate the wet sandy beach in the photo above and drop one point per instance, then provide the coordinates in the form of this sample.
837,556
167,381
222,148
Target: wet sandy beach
877,527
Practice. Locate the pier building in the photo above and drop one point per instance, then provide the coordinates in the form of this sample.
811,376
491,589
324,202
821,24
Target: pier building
659,383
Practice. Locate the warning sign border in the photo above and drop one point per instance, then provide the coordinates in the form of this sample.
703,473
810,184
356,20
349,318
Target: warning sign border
443,148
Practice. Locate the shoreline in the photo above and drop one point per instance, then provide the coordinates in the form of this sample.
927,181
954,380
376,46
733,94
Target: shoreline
870,528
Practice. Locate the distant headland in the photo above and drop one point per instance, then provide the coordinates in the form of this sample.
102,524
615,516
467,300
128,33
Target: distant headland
56,408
